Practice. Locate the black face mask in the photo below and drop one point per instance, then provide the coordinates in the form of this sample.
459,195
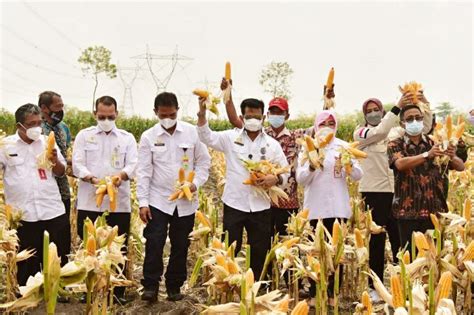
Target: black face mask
56,117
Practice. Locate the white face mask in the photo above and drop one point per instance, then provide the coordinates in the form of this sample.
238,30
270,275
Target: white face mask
168,123
33,133
106,124
252,124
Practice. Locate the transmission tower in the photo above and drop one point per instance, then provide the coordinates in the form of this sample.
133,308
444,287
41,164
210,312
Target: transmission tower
128,75
171,61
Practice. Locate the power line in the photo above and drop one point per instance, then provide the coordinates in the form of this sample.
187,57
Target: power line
59,32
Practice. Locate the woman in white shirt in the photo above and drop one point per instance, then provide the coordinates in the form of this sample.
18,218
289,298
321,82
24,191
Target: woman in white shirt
326,194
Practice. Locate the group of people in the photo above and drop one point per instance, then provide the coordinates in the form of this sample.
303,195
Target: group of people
398,180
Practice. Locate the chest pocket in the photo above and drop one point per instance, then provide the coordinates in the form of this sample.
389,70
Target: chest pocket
240,151
159,153
16,165
119,158
92,153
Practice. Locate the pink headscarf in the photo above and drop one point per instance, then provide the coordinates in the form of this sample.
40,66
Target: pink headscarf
322,116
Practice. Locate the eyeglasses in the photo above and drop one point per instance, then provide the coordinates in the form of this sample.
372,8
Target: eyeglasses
413,118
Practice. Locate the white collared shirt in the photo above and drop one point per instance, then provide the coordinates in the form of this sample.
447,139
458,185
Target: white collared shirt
161,155
326,194
237,146
100,154
35,194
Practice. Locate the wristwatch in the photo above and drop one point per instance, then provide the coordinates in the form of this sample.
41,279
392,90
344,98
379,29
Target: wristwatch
425,155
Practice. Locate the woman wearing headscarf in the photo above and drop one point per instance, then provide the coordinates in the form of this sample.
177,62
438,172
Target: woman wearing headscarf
326,194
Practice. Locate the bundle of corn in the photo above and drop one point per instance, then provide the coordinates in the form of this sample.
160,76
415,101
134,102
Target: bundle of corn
211,101
9,255
228,77
414,89
260,169
313,149
107,187
103,259
44,159
46,285
182,187
328,100
252,303
348,153
444,135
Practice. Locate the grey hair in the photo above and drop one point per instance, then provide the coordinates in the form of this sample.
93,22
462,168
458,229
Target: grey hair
23,111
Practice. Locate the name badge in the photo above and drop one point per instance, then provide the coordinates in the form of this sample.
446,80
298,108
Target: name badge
42,174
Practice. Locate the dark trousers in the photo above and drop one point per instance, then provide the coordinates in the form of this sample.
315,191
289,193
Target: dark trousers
407,227
30,235
119,219
279,217
155,233
381,205
258,227
66,233
328,223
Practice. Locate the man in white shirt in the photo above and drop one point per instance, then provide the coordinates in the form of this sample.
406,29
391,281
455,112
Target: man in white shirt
163,150
100,151
31,189
243,208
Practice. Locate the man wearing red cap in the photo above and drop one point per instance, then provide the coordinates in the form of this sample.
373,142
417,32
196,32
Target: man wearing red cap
277,115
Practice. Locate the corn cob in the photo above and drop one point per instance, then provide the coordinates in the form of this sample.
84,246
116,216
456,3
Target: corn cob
358,154
8,212
467,209
283,306
326,140
358,238
367,303
336,232
289,243
303,214
174,195
459,130
449,127
421,242
406,257
115,180
469,252
91,245
309,143
227,71
444,286
100,194
187,192
201,93
203,219
181,175
232,267
190,178
397,294
50,142
330,81
435,221
301,308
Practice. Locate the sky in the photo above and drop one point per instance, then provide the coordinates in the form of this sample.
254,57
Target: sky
373,46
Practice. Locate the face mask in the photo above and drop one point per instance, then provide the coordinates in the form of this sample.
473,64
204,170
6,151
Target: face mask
57,117
324,131
374,118
414,128
276,120
106,124
33,133
252,124
471,120
168,123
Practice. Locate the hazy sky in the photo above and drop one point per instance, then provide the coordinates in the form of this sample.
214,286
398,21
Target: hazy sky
374,47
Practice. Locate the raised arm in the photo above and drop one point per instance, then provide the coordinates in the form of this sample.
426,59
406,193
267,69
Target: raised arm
230,108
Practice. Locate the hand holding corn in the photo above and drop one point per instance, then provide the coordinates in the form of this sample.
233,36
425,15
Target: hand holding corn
184,187
207,100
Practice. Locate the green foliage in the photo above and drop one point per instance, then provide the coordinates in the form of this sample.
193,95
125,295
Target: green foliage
275,79
7,122
443,110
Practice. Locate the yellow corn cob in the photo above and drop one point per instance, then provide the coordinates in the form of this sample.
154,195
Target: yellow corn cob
100,194
435,221
216,243
406,257
249,278
113,205
227,71
367,303
301,308
8,212
91,245
449,127
444,286
115,180
358,238
309,143
187,192
303,214
90,227
283,306
358,154
289,243
50,142
467,209
203,219
191,177
111,191
220,260
201,93
421,242
354,144
336,230
181,194
330,81
326,140
459,130
397,295
174,195
232,267
469,252
181,175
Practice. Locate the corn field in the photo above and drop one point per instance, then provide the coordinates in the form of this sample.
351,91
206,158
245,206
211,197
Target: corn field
435,276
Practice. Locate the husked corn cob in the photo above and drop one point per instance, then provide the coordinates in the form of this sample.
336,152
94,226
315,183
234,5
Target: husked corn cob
449,127
301,308
91,245
469,252
232,267
406,257
358,154
330,81
201,93
444,287
203,219
283,306
220,260
421,242
100,194
181,175
336,232
326,140
303,214
397,294
187,192
367,303
358,238
227,71
467,209
309,143
191,175
50,142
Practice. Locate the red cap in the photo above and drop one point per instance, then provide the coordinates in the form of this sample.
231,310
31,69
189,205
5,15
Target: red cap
279,102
